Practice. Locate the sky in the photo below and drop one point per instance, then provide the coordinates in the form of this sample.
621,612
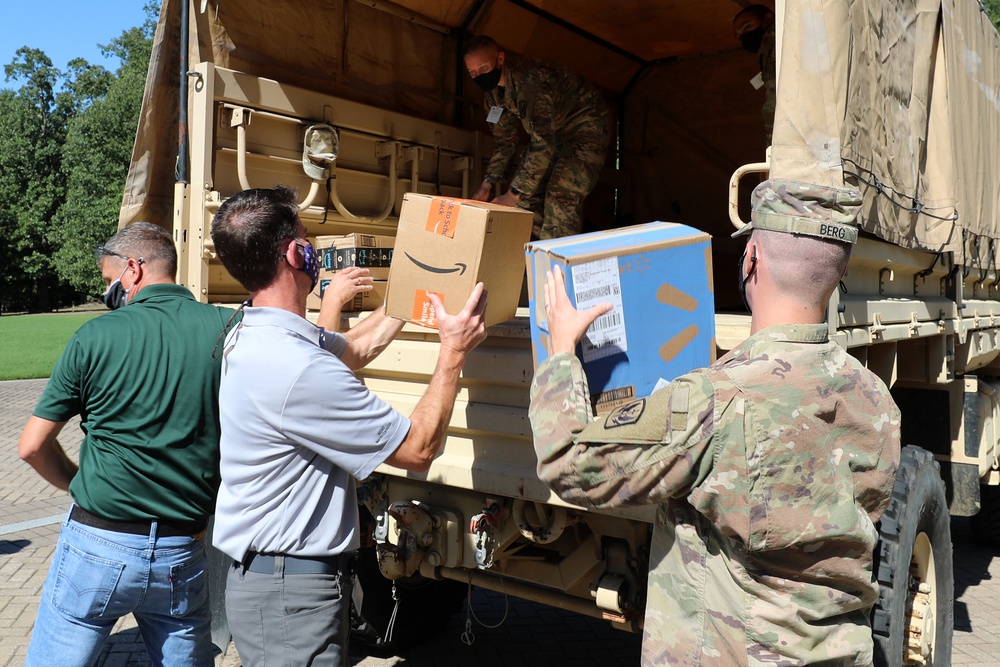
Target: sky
65,29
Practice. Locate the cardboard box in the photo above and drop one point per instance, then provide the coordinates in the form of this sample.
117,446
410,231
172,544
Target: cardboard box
448,245
365,250
659,278
369,300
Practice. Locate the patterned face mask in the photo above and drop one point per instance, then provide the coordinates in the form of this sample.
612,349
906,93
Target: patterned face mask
311,266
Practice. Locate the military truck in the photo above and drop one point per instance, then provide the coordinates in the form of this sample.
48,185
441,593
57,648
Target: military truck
895,97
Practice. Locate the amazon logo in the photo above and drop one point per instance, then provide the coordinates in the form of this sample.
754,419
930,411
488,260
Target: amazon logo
459,266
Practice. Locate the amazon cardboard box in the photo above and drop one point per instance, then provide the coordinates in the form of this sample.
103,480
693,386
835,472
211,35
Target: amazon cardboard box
368,251
369,300
658,276
446,246
336,253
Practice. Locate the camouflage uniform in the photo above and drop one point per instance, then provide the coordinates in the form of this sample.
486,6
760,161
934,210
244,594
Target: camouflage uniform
569,129
768,71
769,469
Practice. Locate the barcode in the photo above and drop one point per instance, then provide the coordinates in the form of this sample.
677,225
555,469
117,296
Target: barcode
607,342
616,394
607,321
593,293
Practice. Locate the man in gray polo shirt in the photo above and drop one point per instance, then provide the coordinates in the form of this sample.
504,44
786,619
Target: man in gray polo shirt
298,428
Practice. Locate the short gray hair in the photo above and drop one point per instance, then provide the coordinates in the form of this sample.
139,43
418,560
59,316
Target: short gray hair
150,242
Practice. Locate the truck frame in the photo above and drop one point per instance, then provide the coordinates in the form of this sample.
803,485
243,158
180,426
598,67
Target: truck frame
919,307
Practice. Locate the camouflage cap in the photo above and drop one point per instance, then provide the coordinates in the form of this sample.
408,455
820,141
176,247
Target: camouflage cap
320,146
795,207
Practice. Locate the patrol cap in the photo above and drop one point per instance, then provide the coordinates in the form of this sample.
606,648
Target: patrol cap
782,205
320,146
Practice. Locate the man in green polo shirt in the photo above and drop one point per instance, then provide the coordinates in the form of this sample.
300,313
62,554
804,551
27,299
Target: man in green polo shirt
144,381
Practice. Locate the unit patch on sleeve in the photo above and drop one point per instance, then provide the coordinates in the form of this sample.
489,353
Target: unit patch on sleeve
626,414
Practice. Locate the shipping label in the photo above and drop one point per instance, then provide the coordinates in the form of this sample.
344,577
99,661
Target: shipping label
595,283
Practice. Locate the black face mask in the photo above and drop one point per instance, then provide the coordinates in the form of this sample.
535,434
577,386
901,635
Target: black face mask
116,295
752,40
743,281
489,80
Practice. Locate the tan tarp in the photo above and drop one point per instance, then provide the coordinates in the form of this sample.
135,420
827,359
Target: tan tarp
905,94
902,94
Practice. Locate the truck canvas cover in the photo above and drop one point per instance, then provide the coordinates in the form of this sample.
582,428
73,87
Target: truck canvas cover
916,76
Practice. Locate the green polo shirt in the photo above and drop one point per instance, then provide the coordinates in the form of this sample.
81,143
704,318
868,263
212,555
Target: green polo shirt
144,383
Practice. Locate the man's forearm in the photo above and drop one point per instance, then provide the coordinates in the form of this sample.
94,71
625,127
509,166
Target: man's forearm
369,338
432,414
39,448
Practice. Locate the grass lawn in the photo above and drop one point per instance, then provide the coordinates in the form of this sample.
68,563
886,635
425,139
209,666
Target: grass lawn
32,343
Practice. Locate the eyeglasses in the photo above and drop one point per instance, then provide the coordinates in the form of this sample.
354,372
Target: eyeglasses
102,251
299,242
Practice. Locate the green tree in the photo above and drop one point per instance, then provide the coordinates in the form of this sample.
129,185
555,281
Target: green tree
32,181
992,8
97,152
65,143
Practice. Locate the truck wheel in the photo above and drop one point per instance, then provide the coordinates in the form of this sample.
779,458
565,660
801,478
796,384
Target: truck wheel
913,620
425,606
986,523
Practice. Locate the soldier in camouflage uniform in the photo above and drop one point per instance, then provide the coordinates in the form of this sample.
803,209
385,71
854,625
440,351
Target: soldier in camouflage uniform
569,129
769,468
754,27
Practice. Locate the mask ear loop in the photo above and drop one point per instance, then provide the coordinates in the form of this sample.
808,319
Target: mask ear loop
140,261
744,280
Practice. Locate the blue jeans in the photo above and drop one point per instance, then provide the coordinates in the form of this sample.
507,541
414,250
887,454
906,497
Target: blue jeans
98,576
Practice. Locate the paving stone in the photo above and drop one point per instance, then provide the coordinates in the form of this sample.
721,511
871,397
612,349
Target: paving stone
529,635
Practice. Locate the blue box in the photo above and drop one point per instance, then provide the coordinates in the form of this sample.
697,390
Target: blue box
659,276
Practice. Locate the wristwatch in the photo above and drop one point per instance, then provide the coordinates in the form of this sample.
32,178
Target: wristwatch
490,179
517,193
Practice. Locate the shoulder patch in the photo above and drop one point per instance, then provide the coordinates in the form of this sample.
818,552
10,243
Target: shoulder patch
626,414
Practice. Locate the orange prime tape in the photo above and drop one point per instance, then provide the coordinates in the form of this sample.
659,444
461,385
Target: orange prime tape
423,311
443,217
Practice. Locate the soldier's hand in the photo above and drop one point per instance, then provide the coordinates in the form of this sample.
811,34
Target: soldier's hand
506,199
566,324
484,192
466,329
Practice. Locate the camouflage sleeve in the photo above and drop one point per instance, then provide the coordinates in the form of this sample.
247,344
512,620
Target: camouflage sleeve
541,140
653,449
560,404
506,139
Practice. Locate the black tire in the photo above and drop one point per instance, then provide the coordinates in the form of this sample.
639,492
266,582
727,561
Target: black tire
914,551
986,523
425,606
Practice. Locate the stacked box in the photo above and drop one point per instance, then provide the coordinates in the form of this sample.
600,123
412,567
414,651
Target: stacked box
369,300
370,251
446,246
658,276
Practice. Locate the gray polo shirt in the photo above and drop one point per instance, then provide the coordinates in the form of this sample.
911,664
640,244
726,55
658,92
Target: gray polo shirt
297,429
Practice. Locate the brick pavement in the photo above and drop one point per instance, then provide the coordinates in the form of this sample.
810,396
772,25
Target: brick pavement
528,633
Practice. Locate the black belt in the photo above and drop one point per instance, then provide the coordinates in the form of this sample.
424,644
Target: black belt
264,563
193,529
